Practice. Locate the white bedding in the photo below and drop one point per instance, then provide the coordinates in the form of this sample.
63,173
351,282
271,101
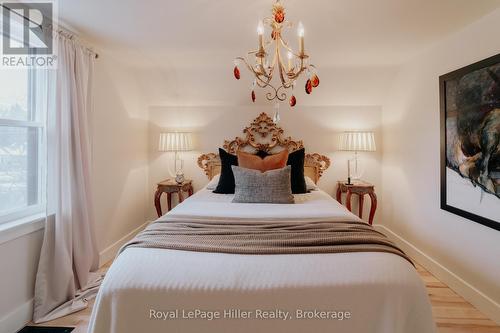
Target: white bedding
382,292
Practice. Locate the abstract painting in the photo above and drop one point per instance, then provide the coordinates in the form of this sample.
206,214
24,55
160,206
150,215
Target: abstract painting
470,134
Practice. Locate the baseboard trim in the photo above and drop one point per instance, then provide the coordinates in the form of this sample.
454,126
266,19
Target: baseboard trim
109,253
473,295
18,318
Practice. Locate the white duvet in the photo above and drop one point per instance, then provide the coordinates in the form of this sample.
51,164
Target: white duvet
158,290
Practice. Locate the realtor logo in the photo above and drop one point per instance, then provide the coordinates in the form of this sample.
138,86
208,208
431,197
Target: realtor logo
27,33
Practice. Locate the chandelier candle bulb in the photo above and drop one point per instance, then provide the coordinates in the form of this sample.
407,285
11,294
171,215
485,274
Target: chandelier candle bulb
260,32
290,56
300,32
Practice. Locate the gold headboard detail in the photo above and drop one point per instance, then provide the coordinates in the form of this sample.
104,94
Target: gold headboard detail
264,134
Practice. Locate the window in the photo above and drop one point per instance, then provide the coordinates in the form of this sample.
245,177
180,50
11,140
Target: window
21,146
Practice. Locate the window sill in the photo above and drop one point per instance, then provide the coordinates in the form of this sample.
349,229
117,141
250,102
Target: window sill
18,228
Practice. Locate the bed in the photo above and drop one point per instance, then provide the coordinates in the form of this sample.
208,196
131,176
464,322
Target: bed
164,290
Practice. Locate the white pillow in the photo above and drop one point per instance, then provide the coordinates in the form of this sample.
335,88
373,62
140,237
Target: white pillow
213,183
310,185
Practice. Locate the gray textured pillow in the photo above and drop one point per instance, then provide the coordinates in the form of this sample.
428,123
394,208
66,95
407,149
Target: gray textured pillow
253,186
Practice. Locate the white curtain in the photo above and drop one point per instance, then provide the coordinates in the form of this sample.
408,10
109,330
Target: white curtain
69,257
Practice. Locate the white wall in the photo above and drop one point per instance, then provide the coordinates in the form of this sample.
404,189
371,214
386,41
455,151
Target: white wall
120,178
410,176
19,262
120,157
316,126
208,84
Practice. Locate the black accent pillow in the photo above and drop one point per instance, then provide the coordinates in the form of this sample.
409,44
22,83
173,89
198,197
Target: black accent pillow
262,153
296,161
226,179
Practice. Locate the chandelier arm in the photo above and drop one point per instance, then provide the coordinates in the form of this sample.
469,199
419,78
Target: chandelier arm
246,64
270,96
260,66
264,84
288,48
276,60
296,75
284,75
260,82
301,70
263,71
288,74
267,44
281,96
280,63
250,68
268,20
268,77
252,52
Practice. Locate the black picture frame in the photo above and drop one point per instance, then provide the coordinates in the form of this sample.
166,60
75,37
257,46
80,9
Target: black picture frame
443,79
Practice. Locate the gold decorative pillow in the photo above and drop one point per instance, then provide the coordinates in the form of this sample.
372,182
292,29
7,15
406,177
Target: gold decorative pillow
271,162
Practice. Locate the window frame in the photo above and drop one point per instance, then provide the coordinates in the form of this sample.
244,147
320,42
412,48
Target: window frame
36,163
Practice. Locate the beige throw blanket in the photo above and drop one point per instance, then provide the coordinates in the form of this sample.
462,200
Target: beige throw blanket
247,237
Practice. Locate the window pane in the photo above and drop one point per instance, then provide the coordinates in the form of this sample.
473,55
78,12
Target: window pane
14,94
18,168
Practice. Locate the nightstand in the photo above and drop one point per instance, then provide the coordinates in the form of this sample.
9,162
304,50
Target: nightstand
360,188
170,186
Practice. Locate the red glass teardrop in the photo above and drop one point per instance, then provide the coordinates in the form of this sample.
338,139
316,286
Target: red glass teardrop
253,96
315,80
309,87
293,101
236,72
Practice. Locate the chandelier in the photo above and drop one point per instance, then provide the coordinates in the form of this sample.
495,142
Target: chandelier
268,60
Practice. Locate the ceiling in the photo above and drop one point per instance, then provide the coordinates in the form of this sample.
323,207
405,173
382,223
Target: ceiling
181,53
211,33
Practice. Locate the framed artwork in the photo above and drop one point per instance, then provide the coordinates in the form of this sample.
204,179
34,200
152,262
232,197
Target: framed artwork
470,134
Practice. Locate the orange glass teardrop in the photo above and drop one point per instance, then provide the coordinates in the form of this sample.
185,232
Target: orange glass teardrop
236,72
293,101
279,16
253,96
315,81
309,87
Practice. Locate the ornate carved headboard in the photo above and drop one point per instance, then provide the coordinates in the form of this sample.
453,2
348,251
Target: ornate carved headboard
264,134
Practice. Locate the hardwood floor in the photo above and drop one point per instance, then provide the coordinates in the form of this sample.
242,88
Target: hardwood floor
452,313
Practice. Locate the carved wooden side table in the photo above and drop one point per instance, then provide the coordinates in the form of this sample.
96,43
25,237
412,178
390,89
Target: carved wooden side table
170,186
360,188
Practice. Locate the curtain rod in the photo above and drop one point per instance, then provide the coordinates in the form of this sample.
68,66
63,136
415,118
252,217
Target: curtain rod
41,27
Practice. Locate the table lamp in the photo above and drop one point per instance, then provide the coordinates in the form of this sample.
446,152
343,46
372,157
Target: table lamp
176,142
356,141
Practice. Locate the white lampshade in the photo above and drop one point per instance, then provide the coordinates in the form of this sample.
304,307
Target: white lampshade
175,141
357,141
